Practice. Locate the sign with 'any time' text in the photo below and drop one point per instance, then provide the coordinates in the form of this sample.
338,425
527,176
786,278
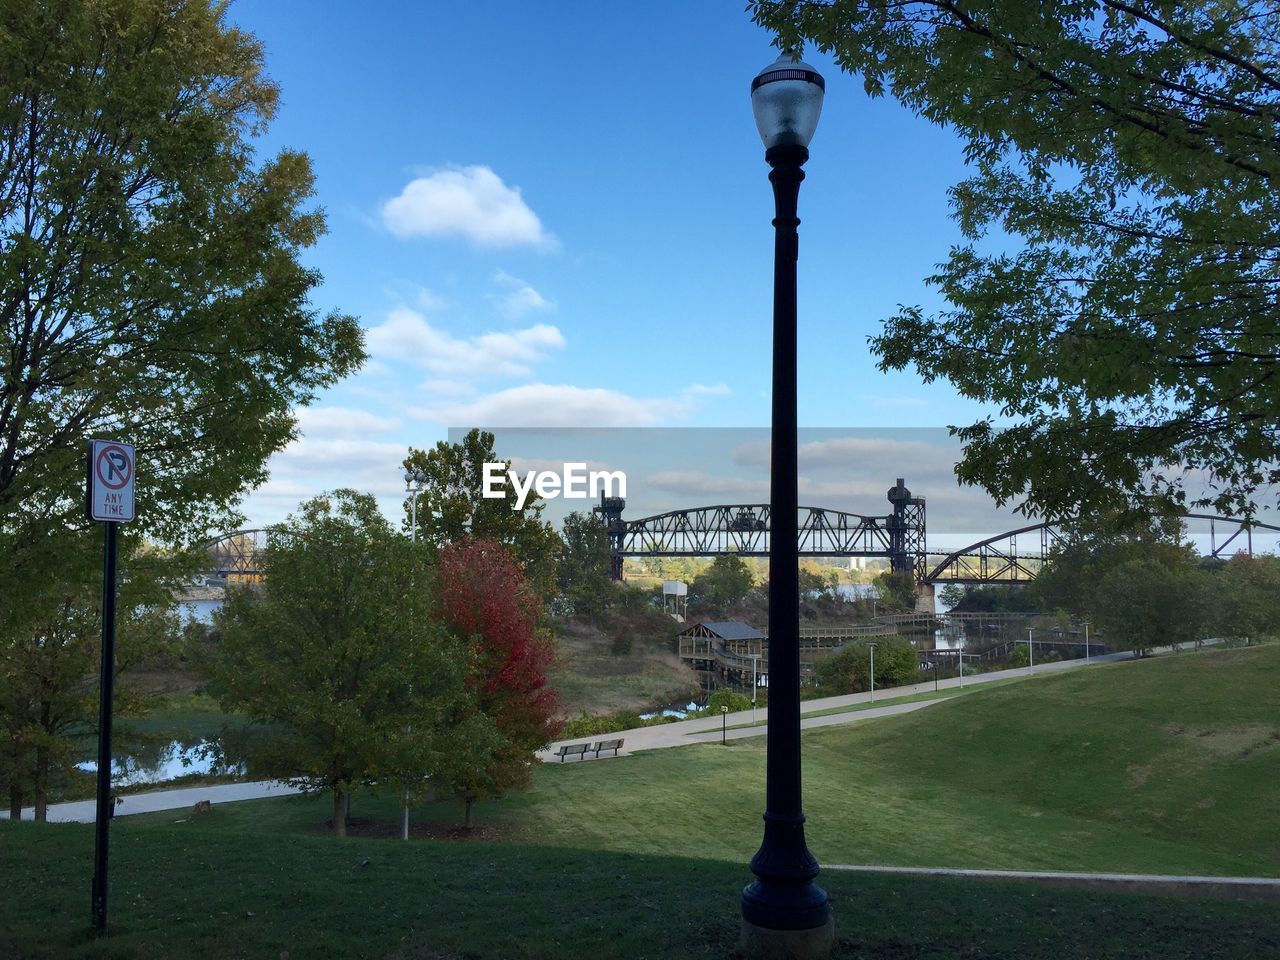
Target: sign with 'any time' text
111,470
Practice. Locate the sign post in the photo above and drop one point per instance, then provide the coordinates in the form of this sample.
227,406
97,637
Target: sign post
108,498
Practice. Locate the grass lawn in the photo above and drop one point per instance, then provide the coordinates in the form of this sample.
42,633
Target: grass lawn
1169,765
203,889
1163,766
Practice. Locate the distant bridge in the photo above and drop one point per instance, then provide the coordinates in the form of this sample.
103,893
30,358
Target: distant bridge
1014,556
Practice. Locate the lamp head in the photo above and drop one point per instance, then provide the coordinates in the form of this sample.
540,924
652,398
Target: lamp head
786,98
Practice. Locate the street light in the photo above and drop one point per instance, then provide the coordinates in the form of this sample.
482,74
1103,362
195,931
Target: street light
414,484
783,910
873,671
1031,651
755,685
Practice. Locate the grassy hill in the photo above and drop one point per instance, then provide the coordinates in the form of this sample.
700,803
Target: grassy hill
1169,765
1165,766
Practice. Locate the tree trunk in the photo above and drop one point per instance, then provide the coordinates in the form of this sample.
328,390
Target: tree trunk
42,784
339,813
15,802
466,812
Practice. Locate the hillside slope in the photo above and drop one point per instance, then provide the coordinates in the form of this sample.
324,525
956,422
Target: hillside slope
1165,765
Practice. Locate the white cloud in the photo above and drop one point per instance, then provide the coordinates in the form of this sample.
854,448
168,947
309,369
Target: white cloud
340,422
471,202
564,405
448,388
521,302
697,483
312,465
407,336
705,390
372,466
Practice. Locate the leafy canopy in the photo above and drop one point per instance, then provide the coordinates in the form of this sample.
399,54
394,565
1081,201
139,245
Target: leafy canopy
336,658
1125,156
151,283
452,507
49,673
582,574
486,601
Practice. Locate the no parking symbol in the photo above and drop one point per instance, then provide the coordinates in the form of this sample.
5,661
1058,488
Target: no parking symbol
111,472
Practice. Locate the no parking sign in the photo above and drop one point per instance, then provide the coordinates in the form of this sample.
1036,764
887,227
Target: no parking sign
109,498
111,472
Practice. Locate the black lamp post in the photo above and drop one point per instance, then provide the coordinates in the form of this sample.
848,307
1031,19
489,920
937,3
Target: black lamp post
784,912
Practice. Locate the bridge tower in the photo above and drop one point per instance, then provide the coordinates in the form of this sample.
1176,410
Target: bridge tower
610,513
906,532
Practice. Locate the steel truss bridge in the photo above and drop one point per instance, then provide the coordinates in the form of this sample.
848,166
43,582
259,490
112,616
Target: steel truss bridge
743,529
1014,556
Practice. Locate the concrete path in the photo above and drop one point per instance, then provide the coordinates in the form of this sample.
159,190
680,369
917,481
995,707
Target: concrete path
1244,888
706,729
700,730
85,811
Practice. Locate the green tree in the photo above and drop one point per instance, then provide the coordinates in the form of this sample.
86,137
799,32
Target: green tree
1248,597
582,575
1141,603
452,508
897,590
727,698
49,676
1125,156
151,280
848,670
485,599
337,661
816,582
722,584
1091,549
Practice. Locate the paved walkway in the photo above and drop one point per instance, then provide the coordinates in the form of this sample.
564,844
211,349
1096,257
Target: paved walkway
85,811
1245,888
680,733
706,729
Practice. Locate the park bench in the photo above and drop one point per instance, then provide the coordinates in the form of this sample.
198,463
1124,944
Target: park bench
614,745
578,750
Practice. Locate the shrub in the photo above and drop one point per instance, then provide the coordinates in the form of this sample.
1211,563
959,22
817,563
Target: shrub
727,698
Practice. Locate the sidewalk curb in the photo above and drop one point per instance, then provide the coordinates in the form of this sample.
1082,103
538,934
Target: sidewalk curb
1231,888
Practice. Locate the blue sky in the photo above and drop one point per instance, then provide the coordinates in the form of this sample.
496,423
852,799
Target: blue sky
558,214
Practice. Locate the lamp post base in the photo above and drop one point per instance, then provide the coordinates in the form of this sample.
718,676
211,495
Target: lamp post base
762,943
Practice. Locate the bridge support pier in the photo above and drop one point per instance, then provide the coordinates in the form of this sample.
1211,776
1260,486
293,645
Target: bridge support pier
926,599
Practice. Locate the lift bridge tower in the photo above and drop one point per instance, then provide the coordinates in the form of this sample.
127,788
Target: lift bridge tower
906,532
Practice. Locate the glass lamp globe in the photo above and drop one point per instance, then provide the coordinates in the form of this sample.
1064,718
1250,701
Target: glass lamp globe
786,98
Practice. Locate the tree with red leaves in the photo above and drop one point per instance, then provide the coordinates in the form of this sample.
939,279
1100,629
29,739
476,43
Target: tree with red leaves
485,598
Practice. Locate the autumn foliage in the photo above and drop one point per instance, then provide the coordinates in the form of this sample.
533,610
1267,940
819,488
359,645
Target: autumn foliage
484,597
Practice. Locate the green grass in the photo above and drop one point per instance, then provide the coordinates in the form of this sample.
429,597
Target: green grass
1160,766
1156,766
197,890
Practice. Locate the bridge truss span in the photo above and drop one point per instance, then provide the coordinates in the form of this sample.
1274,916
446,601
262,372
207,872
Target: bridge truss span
744,529
1004,558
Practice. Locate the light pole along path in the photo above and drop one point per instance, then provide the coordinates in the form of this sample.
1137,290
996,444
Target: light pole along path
784,912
